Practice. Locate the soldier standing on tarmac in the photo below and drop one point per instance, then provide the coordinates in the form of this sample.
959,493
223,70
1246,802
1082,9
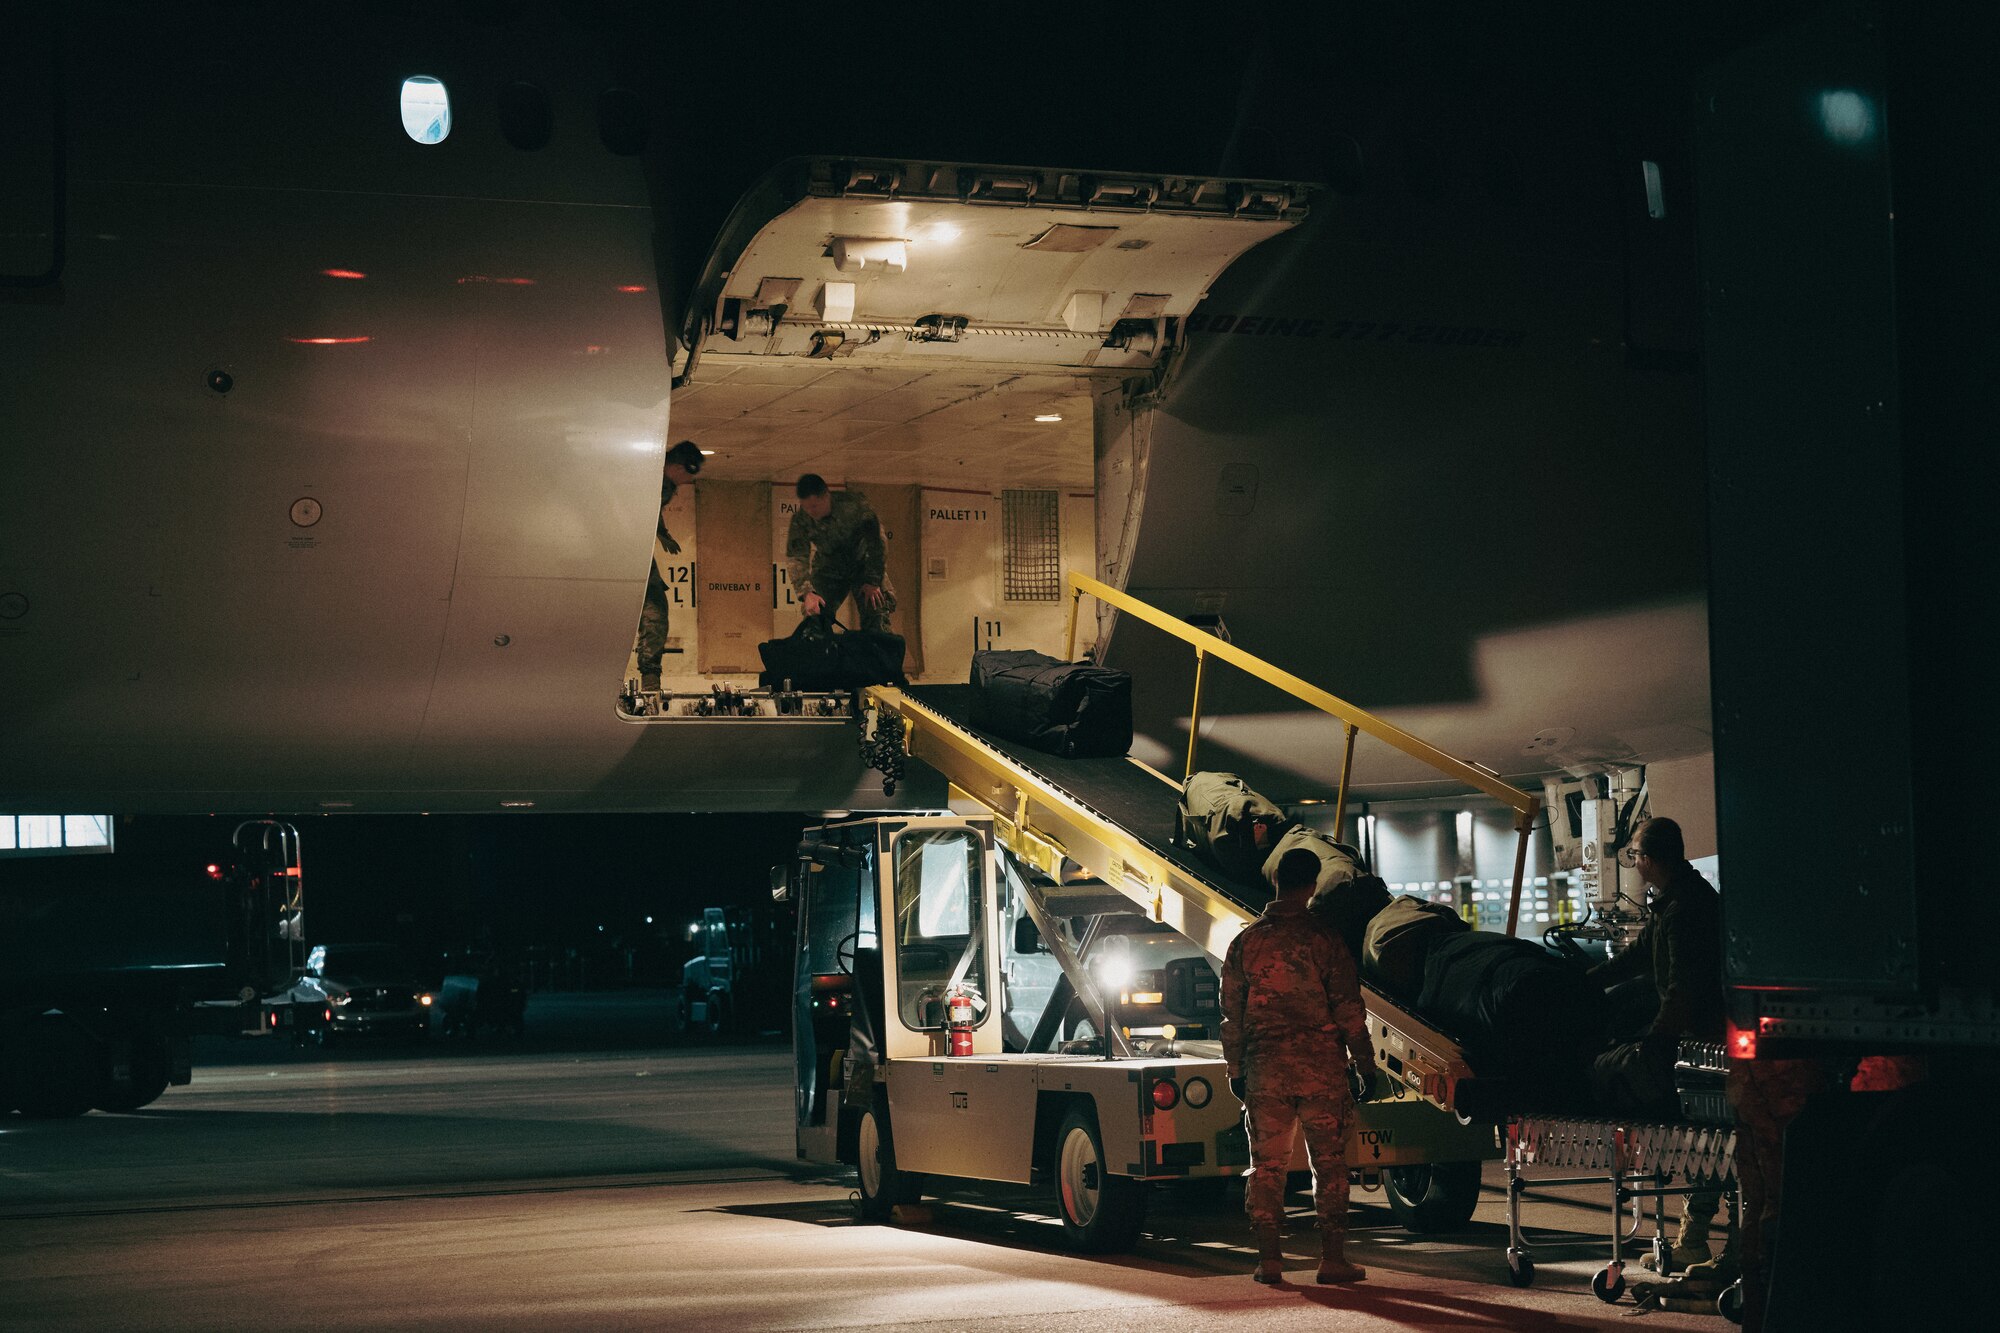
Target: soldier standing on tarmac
1292,1023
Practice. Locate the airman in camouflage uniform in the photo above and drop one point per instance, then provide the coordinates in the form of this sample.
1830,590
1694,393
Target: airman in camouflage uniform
1292,1021
834,548
683,461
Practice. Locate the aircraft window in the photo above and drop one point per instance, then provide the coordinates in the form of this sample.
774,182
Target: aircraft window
621,121
426,109
526,119
1031,532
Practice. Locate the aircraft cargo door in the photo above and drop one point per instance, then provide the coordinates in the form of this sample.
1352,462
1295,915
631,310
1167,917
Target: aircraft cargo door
943,332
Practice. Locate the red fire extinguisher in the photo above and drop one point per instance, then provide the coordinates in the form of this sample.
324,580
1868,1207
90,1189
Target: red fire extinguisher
958,1022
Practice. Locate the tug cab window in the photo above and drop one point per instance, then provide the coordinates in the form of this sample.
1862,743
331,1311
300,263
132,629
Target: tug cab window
939,914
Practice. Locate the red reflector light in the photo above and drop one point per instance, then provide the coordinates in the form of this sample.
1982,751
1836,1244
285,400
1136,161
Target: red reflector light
1742,1044
1166,1094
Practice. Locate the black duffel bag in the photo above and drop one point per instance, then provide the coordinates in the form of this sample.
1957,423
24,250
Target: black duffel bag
823,654
1525,1018
1072,709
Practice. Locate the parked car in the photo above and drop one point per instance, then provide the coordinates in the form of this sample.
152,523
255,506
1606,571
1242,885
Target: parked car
1157,981
371,990
480,991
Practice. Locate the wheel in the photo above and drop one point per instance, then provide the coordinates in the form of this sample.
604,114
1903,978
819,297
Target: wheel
64,1071
1730,1303
1077,1024
1608,1283
1520,1269
1436,1196
146,1078
1101,1212
883,1184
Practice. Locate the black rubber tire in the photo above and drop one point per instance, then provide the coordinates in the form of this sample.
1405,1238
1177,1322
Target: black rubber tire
1434,1197
879,1192
1520,1270
1101,1212
1606,1287
64,1071
1730,1303
151,1070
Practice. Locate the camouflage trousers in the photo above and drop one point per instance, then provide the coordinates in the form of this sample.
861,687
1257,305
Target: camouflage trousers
653,626
1767,1096
836,591
1273,1120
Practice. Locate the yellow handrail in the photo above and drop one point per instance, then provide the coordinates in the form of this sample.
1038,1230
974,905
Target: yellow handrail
1203,642
1206,645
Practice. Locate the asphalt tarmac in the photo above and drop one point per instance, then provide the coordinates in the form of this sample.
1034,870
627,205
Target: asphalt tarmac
598,1175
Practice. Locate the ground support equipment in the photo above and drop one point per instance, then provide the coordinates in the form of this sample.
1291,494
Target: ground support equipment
1639,1160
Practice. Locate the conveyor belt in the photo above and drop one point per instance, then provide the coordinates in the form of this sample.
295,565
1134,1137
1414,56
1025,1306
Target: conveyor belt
1116,820
1134,798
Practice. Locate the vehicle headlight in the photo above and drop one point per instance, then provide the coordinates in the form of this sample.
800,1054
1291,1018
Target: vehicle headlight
423,999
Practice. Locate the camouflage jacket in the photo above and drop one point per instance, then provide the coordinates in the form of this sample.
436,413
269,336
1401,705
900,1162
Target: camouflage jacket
666,539
1292,1016
840,550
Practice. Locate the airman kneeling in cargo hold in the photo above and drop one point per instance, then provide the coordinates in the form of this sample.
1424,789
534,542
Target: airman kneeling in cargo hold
834,547
1292,1024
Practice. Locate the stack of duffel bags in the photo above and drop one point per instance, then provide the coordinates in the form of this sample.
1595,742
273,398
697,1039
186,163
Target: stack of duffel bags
1529,1023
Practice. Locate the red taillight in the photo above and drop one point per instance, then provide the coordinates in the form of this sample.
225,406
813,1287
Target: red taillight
326,1014
274,1020
1742,1043
353,275
214,870
1166,1094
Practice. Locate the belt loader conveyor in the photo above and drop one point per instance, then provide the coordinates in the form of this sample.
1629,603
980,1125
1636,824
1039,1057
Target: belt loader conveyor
1115,819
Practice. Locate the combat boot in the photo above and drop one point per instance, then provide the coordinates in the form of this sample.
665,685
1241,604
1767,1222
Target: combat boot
1690,1246
1712,1275
1270,1254
1333,1264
